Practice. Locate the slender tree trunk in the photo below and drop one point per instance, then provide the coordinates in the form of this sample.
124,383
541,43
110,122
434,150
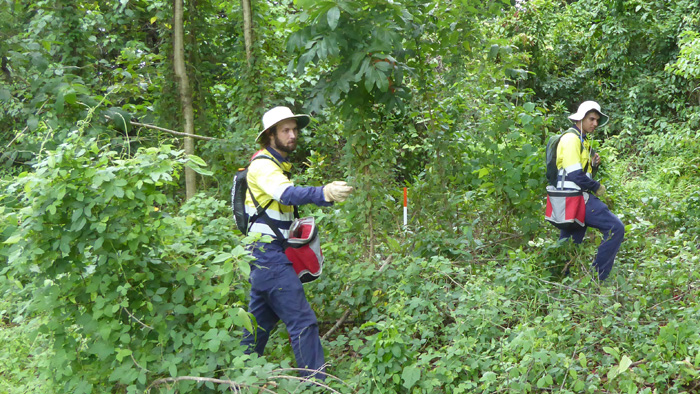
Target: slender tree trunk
247,29
185,92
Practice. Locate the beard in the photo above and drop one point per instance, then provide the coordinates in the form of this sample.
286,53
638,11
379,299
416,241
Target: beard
289,148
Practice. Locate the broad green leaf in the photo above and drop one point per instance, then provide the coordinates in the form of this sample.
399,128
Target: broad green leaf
121,353
493,52
625,363
333,17
59,104
244,266
244,317
32,123
13,239
180,309
222,257
611,351
305,4
197,160
410,376
70,97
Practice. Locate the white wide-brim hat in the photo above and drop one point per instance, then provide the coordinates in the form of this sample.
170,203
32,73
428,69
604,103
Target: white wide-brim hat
278,114
585,108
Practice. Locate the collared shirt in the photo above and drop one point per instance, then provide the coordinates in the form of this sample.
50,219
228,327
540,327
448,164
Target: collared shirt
268,182
573,160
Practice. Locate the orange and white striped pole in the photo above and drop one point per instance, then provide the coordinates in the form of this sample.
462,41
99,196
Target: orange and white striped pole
405,206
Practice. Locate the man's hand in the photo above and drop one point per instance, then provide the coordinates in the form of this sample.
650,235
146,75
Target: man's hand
601,190
595,160
336,191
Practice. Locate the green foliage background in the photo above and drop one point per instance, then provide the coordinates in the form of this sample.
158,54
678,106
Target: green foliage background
112,282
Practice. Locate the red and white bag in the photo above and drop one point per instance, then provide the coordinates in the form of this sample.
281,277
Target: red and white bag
304,249
566,209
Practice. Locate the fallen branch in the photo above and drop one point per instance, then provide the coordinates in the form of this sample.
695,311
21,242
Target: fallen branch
337,324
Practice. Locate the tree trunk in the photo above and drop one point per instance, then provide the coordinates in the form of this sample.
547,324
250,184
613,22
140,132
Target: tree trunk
247,29
185,92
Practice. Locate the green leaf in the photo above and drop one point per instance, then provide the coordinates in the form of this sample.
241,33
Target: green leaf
222,257
5,95
180,309
13,239
244,267
625,364
410,376
60,103
76,214
197,160
70,97
333,17
32,123
493,52
611,351
244,318
396,350
102,349
305,3
121,353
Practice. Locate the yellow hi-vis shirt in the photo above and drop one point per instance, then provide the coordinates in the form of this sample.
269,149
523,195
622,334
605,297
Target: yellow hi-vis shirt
267,181
570,157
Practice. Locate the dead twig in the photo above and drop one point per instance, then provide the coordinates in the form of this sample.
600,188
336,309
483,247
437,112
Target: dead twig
337,324
569,288
317,383
144,325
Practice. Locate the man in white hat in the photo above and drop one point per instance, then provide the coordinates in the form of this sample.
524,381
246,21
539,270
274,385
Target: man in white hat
575,163
276,291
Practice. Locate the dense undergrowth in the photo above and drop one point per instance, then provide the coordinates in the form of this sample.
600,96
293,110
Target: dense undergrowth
435,309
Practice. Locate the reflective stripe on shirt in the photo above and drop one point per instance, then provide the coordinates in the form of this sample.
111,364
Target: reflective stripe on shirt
267,181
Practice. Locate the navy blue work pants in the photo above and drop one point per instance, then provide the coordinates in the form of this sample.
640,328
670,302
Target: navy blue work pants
599,216
277,294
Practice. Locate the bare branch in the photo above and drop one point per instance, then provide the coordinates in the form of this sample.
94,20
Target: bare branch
234,385
337,324
135,318
150,126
